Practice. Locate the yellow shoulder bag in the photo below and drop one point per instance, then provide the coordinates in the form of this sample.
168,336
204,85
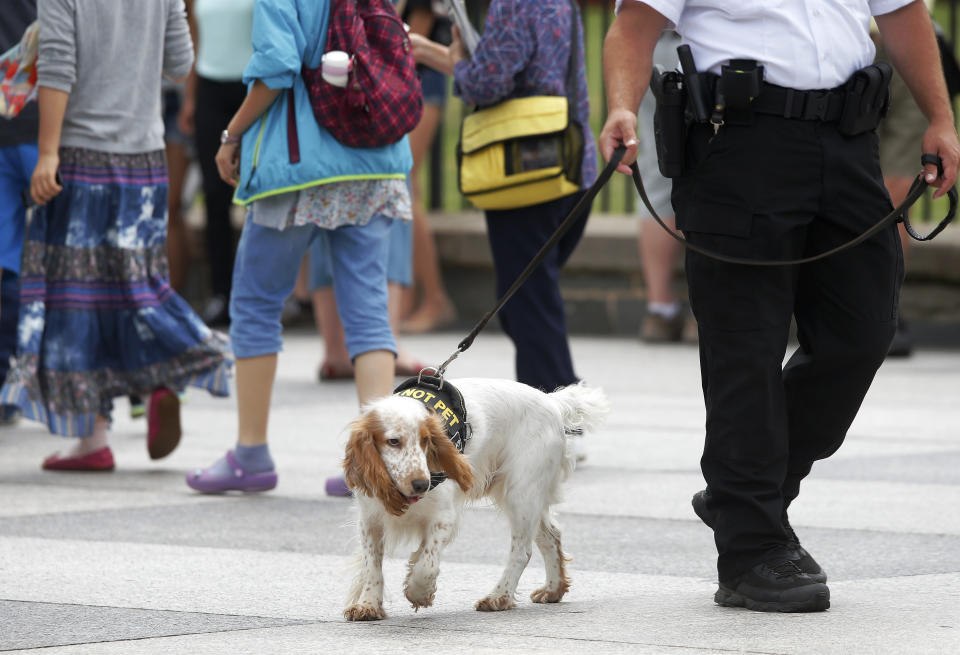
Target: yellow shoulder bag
523,151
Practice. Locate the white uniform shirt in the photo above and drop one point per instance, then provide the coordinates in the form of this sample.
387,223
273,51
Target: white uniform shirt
802,44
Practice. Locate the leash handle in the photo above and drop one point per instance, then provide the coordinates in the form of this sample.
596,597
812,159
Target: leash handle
582,206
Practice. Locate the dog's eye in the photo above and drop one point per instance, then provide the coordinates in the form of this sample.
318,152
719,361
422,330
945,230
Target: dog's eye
393,442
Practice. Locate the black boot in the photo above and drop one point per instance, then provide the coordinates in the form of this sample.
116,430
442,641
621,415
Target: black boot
795,551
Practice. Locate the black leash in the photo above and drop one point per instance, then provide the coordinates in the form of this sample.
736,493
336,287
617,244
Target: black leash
574,214
899,213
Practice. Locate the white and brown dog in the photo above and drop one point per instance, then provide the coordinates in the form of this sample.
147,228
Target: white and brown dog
517,454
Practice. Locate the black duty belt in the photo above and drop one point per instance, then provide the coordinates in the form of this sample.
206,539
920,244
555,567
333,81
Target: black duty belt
815,105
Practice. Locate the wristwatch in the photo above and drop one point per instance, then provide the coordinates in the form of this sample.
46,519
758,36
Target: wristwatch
226,137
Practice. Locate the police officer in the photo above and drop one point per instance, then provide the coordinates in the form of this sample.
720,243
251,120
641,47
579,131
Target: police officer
783,178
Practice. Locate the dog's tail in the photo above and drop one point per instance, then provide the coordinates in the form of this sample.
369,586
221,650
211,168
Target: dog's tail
583,408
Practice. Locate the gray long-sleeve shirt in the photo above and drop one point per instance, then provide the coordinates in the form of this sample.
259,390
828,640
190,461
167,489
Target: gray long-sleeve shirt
110,55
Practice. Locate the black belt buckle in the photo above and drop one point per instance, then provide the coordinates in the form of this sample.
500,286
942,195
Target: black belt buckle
816,105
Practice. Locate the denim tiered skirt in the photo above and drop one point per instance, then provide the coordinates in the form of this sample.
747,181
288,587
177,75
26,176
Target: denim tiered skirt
98,318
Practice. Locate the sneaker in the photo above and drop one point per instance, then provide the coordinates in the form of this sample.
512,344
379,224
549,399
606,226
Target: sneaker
796,553
660,329
9,415
774,585
138,408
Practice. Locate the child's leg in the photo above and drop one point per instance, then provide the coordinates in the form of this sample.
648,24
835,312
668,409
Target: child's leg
359,254
264,274
336,362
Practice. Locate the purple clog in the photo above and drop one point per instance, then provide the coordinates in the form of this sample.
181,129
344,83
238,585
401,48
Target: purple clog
208,482
337,486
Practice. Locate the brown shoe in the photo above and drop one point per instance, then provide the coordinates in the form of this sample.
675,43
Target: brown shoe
660,329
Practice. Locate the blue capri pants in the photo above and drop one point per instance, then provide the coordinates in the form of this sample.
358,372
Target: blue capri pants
399,257
265,272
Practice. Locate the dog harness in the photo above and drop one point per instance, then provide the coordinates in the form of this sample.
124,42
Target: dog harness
444,400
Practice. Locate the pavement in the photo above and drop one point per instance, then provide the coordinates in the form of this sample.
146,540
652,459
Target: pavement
134,562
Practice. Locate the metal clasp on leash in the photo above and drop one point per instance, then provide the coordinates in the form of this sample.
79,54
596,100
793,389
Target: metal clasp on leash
438,371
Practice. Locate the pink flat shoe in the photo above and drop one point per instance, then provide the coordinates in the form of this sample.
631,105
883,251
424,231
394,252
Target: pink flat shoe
98,460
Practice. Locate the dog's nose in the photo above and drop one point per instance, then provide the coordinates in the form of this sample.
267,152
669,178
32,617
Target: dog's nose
419,486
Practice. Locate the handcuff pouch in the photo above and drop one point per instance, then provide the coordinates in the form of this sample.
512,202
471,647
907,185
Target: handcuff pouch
669,120
866,98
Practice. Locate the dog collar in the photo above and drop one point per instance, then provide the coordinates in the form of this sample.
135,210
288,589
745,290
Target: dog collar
444,400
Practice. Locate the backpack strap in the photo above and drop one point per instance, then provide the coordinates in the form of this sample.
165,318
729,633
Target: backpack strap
293,137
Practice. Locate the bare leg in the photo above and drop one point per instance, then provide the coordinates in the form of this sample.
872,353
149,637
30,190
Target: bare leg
301,291
328,323
255,377
178,161
658,257
94,442
336,361
374,373
395,300
435,307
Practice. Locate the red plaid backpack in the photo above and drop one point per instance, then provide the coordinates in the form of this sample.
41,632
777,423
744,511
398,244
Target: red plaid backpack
382,100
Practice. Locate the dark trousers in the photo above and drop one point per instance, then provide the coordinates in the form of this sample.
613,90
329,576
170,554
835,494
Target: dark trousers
782,188
9,315
534,317
216,104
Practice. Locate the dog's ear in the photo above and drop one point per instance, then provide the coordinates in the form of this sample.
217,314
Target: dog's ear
442,455
364,470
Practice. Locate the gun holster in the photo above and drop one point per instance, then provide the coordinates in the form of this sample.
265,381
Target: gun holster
866,99
669,120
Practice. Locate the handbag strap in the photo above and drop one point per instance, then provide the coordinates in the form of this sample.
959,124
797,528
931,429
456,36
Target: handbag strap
571,85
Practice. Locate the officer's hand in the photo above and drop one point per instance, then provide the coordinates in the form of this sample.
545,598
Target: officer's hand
941,139
620,129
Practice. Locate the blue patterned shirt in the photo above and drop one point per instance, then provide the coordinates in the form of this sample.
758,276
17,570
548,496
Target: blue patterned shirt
524,51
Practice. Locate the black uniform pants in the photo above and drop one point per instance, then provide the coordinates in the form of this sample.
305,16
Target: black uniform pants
778,189
217,102
534,318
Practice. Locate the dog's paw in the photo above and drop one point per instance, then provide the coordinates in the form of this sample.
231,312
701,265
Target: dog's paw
417,603
546,595
364,612
495,604
420,596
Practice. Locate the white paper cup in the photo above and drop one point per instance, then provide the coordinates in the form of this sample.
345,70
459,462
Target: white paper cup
335,67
